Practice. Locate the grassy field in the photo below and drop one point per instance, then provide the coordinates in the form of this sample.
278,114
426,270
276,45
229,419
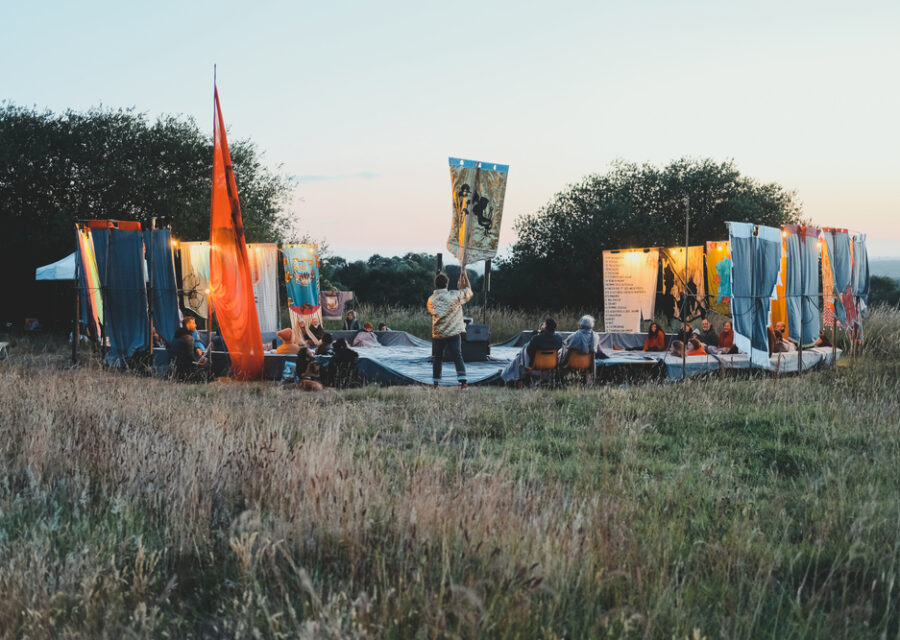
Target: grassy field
760,508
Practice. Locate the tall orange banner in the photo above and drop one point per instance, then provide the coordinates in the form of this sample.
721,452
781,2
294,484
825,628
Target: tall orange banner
230,282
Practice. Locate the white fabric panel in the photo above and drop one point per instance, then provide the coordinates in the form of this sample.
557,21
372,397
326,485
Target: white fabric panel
264,274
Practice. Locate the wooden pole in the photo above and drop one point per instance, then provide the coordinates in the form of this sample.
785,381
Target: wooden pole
75,328
684,297
487,287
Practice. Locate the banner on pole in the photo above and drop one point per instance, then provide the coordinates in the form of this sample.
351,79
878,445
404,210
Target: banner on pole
478,189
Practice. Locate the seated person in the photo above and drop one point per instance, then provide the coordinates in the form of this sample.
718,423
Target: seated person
707,334
726,339
342,367
823,340
686,333
350,322
305,335
305,358
770,331
383,327
190,323
695,348
366,338
546,339
287,339
316,328
676,349
324,348
185,354
582,341
781,345
656,339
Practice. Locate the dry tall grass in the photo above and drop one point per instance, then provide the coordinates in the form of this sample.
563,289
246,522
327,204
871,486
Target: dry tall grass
134,507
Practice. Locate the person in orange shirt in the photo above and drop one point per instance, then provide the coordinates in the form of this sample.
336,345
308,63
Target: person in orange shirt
655,340
726,339
695,348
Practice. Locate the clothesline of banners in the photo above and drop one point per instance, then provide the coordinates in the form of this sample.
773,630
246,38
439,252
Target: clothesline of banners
116,261
774,273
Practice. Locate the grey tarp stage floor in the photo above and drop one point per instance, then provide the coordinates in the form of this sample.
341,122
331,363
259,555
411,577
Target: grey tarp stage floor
405,359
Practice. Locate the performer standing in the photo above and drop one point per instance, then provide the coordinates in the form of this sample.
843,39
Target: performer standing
447,325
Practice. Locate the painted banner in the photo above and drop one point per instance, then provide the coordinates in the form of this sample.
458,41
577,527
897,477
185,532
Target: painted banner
479,189
90,282
301,277
332,303
629,288
680,290
230,286
264,275
718,276
195,277
828,315
779,311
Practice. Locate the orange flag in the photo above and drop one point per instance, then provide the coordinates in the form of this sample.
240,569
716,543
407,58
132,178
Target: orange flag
230,284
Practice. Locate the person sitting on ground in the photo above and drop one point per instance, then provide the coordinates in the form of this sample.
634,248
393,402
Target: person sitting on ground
676,349
315,328
546,339
350,322
366,338
708,335
383,327
656,339
695,348
770,333
305,335
342,366
781,345
308,372
190,323
324,348
583,341
288,346
185,354
726,339
823,340
686,333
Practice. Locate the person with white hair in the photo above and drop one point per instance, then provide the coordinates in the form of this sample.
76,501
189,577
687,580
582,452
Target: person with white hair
584,341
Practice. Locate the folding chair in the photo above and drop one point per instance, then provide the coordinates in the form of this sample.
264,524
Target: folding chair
545,367
580,364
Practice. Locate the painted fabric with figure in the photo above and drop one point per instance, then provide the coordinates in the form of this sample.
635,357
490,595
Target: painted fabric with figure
89,284
332,303
718,276
164,299
837,243
755,263
680,290
264,274
301,277
478,189
230,283
629,288
195,277
802,283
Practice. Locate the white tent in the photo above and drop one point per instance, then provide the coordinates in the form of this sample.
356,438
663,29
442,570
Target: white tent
60,270
65,270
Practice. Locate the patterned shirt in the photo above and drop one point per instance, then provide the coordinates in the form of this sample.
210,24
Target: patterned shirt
445,307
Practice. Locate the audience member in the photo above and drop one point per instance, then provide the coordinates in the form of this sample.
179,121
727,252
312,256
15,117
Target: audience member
707,334
366,338
822,340
324,348
583,341
350,322
288,346
190,323
185,354
781,345
656,339
342,367
546,339
383,327
305,335
676,348
316,328
686,333
695,348
726,339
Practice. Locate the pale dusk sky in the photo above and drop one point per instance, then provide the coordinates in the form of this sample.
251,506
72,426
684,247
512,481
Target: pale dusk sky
364,102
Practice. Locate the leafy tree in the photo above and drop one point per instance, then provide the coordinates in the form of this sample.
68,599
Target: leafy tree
884,291
59,168
557,259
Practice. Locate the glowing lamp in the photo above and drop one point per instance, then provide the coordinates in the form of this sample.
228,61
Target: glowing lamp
174,243
206,291
784,234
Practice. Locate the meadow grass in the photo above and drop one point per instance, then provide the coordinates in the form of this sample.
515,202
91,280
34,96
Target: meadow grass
718,508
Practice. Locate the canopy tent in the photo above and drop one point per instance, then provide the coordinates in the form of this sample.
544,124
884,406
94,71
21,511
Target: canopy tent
64,269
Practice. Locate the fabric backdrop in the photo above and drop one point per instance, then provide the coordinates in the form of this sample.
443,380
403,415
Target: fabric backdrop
332,303
802,286
718,276
678,288
301,277
629,288
195,277
164,299
121,271
264,273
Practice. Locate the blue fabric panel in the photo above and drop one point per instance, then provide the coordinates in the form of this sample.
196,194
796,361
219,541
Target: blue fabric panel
860,279
766,266
839,251
158,246
741,302
125,295
810,273
793,286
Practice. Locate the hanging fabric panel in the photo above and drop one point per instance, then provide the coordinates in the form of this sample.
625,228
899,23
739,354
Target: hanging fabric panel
679,289
195,277
756,261
301,277
164,298
332,303
802,286
860,277
718,276
264,274
779,303
478,189
840,258
89,284
230,286
124,294
629,288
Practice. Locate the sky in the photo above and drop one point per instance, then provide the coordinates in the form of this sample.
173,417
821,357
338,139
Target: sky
362,102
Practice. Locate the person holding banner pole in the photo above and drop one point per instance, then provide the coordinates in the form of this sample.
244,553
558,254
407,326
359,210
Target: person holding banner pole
445,307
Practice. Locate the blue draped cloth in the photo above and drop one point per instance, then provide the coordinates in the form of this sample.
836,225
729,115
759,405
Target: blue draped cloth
802,286
838,243
860,276
164,291
120,263
755,265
